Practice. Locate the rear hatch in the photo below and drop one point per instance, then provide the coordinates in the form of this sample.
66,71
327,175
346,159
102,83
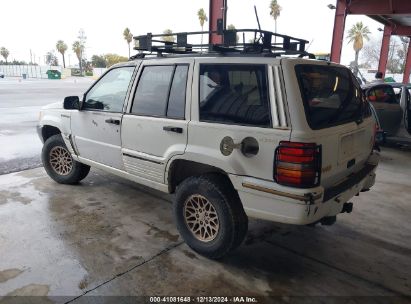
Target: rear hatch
327,108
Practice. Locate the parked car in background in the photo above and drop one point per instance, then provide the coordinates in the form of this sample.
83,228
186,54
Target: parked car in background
392,105
1,75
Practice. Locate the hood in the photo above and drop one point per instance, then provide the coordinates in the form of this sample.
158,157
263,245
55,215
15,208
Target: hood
55,105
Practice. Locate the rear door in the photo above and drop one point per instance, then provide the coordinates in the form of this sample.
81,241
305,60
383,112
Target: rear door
238,115
327,107
155,126
387,105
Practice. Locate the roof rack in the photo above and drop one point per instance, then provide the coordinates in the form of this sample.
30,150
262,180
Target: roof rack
262,43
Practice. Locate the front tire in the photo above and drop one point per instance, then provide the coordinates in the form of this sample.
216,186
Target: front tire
59,164
209,215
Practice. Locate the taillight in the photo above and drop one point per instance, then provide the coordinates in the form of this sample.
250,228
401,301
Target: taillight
297,164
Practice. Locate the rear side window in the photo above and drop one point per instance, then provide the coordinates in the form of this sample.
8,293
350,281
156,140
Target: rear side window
234,94
331,95
152,91
383,94
161,91
177,99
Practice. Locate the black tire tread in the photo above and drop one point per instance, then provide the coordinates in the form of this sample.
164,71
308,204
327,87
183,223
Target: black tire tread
79,171
219,184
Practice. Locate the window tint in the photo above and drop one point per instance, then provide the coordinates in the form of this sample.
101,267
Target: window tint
234,94
109,92
331,95
152,91
177,100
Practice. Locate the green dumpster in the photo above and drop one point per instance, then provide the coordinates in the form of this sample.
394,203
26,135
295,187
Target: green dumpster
53,74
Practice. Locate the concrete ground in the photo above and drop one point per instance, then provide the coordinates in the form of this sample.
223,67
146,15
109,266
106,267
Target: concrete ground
109,237
20,103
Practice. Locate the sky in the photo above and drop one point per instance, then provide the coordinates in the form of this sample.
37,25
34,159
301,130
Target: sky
36,25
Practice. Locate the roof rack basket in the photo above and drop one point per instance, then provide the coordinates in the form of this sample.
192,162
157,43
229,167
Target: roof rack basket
260,43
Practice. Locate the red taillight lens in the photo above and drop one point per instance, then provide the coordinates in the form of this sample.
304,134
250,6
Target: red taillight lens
297,164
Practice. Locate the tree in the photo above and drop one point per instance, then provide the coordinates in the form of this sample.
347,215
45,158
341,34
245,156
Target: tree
370,55
78,50
62,48
99,61
81,47
87,66
5,53
202,17
169,38
51,58
402,52
356,34
114,58
275,10
397,53
128,36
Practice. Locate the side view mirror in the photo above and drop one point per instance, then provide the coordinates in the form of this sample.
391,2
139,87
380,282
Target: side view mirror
71,103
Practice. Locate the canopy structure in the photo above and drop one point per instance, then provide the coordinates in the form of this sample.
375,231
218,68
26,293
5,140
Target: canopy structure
395,15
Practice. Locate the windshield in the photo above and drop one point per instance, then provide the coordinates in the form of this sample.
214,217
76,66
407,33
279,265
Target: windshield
331,95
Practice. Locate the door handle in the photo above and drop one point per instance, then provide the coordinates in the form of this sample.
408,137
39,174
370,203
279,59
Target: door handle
113,121
173,129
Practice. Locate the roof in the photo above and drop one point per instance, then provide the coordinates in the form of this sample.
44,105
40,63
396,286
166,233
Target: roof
393,13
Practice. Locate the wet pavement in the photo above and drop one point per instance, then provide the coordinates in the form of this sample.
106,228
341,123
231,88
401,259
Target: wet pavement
109,237
20,103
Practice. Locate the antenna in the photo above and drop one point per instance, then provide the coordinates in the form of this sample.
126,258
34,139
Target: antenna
312,40
258,22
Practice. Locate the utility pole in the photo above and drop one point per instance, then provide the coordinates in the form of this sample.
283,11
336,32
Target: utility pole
82,39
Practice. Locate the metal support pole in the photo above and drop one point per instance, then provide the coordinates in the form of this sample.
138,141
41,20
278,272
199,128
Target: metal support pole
218,10
338,32
407,69
385,49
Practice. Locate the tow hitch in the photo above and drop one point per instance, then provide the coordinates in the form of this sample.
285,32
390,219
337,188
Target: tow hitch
347,207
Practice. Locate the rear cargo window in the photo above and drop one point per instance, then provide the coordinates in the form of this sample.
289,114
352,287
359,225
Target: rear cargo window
234,94
331,95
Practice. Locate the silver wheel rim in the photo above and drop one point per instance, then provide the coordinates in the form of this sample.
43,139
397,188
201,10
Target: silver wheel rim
61,161
201,218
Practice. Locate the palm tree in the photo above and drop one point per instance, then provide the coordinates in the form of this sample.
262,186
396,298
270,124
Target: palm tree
202,17
62,48
4,52
356,34
168,38
128,36
78,50
275,10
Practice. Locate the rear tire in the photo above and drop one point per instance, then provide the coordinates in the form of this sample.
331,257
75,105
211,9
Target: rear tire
59,164
209,215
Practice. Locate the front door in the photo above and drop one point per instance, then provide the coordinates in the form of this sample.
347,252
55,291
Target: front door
96,127
155,127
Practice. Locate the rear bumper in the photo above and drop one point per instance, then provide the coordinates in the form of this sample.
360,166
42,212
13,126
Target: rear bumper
270,201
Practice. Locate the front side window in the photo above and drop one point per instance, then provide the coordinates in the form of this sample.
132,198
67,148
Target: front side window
109,93
234,94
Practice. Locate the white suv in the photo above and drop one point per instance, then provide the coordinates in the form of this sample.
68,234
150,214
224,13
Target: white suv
232,134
